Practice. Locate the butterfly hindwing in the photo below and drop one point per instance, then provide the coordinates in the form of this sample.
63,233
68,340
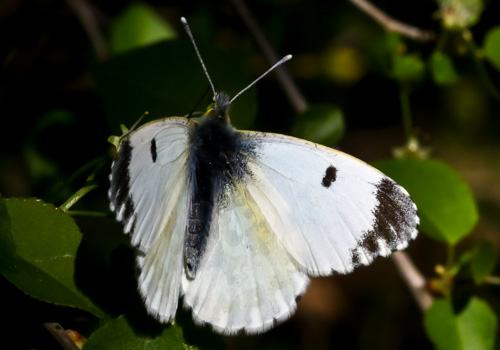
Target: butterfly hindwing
330,211
149,195
246,281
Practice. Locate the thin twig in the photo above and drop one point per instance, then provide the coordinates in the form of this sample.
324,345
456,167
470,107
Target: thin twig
393,25
414,280
295,97
60,335
86,17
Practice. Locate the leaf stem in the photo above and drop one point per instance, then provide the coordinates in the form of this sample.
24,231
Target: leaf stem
474,51
76,197
404,96
493,280
414,279
292,92
86,213
392,25
60,335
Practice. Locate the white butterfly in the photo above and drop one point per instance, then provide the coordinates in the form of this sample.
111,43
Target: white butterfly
237,221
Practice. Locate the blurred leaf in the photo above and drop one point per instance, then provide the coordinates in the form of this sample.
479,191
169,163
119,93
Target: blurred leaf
483,261
442,69
460,14
474,328
119,334
407,68
343,64
40,253
446,206
321,124
166,79
492,46
137,26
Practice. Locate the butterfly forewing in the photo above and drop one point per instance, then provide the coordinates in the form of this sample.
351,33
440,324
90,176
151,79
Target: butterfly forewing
330,211
149,194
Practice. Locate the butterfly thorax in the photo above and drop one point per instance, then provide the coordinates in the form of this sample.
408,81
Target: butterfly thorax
216,161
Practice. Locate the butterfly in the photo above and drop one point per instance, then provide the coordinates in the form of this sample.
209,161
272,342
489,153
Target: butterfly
236,222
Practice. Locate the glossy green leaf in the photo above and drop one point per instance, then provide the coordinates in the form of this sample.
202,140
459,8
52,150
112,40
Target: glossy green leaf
321,124
119,334
39,257
483,261
473,328
166,79
460,14
139,25
407,68
446,206
442,69
492,46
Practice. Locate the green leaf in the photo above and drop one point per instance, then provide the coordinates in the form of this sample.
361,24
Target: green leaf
166,79
39,256
473,328
460,14
442,69
483,261
446,206
407,68
139,25
119,334
492,46
321,124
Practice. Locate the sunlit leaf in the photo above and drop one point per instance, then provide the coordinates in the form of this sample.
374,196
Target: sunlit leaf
446,206
492,46
139,25
39,257
321,124
471,329
119,334
442,69
483,261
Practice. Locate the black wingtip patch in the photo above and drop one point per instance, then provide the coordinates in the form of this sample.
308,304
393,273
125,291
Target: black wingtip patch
330,176
395,221
153,150
120,177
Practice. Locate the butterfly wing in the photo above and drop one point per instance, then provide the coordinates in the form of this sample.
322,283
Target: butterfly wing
149,195
246,282
331,212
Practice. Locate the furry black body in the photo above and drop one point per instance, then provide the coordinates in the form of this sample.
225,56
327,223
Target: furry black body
217,161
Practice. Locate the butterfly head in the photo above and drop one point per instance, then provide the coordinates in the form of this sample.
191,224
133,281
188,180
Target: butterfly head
219,108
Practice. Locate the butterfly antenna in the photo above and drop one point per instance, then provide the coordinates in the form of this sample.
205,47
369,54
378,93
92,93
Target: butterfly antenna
188,30
283,60
198,103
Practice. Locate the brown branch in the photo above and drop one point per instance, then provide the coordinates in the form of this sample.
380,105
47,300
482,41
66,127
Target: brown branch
60,335
391,24
85,15
414,280
293,94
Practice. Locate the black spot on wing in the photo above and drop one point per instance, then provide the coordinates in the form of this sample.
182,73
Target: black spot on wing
330,176
153,150
395,221
120,176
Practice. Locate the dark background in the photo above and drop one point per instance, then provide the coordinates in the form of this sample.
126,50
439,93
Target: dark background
54,121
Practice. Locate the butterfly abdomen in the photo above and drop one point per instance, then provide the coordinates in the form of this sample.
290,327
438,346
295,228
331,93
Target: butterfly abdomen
215,163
